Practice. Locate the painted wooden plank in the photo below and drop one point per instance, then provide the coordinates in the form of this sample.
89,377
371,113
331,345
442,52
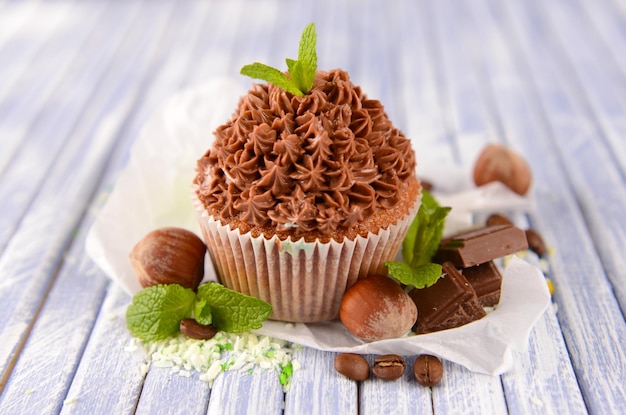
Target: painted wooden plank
599,90
25,282
419,92
111,373
78,166
587,309
310,392
17,111
17,51
608,22
57,301
475,30
400,396
41,129
460,390
23,31
91,369
242,393
170,393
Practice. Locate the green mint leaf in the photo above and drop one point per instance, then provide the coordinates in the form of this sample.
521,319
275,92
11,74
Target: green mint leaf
423,276
425,232
291,64
202,313
285,374
233,312
307,59
400,271
426,275
272,75
155,312
301,71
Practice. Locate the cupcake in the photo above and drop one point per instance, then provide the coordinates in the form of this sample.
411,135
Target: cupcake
300,196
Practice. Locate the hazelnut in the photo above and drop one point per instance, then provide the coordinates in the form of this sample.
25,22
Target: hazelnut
169,256
535,242
498,219
194,330
377,308
499,163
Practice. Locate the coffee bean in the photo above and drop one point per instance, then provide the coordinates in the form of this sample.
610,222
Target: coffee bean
352,365
428,370
535,242
194,330
498,219
389,367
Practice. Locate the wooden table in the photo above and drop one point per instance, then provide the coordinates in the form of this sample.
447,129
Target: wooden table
78,79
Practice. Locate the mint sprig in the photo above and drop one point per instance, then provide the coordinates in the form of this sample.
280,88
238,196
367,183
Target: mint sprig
155,312
420,245
232,311
301,71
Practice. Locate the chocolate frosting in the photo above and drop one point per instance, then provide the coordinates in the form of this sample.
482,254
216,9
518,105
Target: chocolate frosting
318,164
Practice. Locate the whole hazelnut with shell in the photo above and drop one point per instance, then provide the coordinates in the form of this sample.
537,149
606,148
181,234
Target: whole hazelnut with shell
377,308
499,163
169,256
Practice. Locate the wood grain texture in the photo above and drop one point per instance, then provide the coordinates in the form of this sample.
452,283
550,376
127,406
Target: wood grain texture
318,389
400,396
237,392
79,79
110,375
588,312
599,140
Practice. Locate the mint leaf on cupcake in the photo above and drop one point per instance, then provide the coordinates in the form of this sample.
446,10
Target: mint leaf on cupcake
301,71
425,232
420,245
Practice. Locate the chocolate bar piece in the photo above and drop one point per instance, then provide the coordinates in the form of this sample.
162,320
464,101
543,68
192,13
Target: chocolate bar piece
486,280
478,246
449,303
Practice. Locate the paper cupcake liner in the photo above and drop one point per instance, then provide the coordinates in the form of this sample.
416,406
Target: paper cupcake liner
303,281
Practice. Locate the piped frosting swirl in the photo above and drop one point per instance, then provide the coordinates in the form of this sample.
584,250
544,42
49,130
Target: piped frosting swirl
319,166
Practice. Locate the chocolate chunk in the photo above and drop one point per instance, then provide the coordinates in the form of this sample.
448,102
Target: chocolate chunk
481,245
449,303
486,280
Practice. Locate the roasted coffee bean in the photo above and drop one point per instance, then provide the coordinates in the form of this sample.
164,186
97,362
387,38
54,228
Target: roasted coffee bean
389,367
194,330
498,219
535,242
352,365
428,370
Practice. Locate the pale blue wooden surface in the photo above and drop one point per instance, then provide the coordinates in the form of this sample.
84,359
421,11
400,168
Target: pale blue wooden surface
79,79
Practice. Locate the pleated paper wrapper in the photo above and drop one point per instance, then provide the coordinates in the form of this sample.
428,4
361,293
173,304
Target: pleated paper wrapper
304,281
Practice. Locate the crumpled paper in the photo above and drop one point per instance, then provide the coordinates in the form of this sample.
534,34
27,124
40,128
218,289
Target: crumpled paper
154,191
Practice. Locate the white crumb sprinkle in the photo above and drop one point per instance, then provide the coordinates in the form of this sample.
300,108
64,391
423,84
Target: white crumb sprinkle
70,401
536,401
209,358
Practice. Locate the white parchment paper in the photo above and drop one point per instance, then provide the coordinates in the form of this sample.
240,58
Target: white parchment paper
154,191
